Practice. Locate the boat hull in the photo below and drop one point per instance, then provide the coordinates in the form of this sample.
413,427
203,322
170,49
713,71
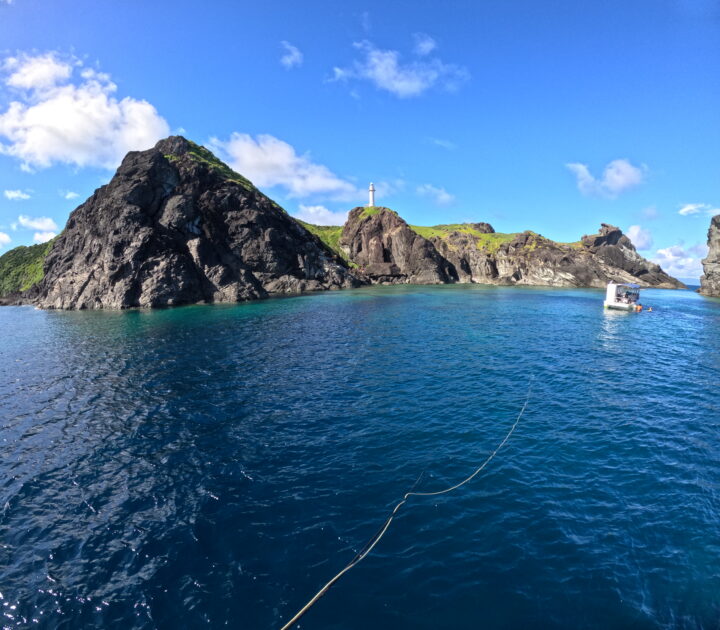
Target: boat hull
631,308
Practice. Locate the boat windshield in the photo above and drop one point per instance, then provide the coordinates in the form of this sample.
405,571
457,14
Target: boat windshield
627,295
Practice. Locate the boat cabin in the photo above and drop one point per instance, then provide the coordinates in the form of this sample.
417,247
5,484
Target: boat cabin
622,296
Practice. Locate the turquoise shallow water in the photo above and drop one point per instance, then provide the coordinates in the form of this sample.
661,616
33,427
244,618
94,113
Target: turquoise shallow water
215,465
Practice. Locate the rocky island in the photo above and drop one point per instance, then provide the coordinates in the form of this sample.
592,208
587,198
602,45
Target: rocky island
175,225
710,280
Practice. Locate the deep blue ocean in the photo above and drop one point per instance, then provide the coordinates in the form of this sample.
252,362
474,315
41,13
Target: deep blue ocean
214,466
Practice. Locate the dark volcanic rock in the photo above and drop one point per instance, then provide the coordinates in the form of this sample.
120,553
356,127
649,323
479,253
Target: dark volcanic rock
175,226
387,250
531,259
710,281
616,255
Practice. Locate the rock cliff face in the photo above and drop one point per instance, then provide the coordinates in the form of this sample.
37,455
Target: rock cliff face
176,226
388,251
531,259
710,281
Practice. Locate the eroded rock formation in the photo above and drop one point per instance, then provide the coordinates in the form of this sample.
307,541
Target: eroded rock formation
388,251
710,280
176,226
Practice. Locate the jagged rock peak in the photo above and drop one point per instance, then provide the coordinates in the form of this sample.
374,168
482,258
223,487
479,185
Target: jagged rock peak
174,145
710,280
608,235
175,225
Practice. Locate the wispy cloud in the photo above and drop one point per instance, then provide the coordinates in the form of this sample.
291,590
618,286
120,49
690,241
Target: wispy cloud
618,176
4,239
365,21
439,195
650,213
38,223
640,237
16,195
66,113
385,70
689,209
68,194
292,57
320,215
445,144
424,44
269,161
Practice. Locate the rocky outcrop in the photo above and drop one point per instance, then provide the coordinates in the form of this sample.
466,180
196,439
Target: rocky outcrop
388,251
531,259
710,280
176,226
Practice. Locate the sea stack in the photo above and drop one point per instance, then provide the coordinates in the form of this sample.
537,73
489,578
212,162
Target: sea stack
175,225
710,281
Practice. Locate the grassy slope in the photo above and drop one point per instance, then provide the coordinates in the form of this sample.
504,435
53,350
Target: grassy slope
488,242
22,267
330,235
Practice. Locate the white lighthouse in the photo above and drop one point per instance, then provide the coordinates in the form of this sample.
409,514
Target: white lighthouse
371,190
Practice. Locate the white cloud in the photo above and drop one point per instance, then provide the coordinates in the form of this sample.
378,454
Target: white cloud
36,73
679,262
43,237
60,117
388,189
424,44
320,215
384,69
640,237
269,161
618,176
698,208
40,223
292,57
445,144
68,194
4,239
16,195
441,196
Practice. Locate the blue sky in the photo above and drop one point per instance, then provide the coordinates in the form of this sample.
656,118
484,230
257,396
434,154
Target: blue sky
552,116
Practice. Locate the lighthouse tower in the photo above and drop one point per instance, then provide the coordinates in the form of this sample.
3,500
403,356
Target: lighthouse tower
371,190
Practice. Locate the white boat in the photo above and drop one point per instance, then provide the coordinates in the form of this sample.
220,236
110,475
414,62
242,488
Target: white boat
623,297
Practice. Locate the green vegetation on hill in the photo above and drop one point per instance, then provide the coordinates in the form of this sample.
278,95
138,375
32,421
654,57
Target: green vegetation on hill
22,267
330,235
204,156
487,242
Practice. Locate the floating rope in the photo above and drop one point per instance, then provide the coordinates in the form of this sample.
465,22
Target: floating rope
370,545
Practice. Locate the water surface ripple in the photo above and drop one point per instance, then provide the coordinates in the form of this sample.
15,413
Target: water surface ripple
215,465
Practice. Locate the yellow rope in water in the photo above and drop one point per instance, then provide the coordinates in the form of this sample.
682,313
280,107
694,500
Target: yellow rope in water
370,545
